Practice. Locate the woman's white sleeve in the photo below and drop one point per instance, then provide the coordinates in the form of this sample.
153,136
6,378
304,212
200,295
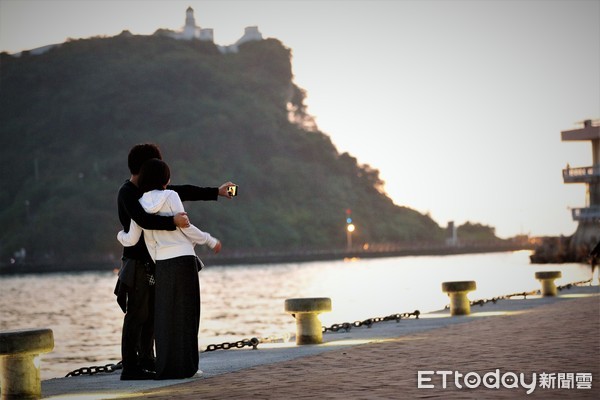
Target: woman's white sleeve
195,235
130,238
199,237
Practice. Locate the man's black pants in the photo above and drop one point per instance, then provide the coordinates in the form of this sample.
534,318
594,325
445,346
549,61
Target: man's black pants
137,342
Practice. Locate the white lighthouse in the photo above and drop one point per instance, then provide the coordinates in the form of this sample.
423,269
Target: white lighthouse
191,30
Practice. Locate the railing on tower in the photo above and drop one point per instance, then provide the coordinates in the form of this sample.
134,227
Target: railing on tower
586,214
581,174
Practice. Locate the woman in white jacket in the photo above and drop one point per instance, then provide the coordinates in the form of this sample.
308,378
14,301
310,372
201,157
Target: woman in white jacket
177,311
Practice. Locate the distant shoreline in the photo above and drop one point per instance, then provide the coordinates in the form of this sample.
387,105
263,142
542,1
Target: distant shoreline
267,258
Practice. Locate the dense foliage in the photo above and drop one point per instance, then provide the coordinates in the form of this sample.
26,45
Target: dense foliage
68,118
475,232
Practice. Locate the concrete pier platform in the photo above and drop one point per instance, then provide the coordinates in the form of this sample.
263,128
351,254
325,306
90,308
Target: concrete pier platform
541,347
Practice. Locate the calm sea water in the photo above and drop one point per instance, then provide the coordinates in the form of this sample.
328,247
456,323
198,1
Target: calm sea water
247,301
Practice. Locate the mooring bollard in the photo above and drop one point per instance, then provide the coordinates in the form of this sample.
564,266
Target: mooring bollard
547,279
19,362
459,303
306,311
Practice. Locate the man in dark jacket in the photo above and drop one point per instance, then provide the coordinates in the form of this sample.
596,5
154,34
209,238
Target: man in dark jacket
135,286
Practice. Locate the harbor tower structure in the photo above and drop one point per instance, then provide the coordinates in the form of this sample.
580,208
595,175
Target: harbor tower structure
588,217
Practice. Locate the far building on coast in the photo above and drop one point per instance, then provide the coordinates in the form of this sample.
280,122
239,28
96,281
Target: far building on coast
587,217
577,247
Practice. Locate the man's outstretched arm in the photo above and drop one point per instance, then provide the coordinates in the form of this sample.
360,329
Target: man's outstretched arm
194,193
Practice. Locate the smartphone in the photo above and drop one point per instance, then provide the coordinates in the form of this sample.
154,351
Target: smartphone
232,190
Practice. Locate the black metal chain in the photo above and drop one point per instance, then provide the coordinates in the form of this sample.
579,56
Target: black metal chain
570,285
109,368
254,342
481,302
346,326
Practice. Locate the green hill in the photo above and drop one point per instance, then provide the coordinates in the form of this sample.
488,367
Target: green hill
68,118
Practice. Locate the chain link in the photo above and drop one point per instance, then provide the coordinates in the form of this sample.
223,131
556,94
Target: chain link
108,368
254,342
570,285
481,302
346,326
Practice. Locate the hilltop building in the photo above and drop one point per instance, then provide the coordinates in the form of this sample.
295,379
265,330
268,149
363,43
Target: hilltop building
192,31
588,217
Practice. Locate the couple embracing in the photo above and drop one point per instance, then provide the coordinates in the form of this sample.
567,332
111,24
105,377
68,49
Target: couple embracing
158,286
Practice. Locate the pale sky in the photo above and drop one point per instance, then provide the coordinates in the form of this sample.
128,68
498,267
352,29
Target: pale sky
459,104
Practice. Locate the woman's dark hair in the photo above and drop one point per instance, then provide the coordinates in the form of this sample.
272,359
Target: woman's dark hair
139,154
154,175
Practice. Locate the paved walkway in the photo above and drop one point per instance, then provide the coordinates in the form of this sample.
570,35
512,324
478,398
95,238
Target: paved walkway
560,338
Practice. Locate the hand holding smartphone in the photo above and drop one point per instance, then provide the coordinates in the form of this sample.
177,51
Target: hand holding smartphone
232,190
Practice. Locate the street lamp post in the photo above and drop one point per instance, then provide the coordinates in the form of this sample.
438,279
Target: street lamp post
349,229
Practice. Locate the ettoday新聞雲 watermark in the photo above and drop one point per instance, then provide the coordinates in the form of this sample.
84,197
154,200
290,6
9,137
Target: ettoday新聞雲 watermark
508,380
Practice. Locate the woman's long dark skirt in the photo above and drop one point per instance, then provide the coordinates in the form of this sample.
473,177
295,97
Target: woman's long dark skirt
177,317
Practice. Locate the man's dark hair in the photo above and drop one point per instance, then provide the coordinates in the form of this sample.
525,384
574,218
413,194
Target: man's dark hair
139,154
154,175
